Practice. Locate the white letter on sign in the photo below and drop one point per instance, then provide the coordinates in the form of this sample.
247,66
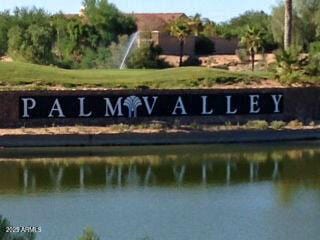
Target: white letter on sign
204,106
276,100
114,109
229,111
254,104
82,113
179,105
27,106
56,107
146,102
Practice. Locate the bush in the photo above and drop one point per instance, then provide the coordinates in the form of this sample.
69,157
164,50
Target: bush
258,124
100,59
35,36
146,56
277,125
313,68
204,46
243,55
65,63
33,44
288,68
4,27
89,234
89,59
15,41
314,48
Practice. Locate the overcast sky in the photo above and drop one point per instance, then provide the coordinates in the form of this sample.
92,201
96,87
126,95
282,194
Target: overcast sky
217,10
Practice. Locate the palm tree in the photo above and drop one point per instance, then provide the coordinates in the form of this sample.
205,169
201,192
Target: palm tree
180,29
288,25
252,41
209,28
196,24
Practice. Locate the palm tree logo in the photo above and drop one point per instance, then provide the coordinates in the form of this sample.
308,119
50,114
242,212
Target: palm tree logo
132,103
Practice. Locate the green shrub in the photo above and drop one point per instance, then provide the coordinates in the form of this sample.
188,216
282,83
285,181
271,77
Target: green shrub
89,59
33,44
313,68
36,36
146,56
258,124
288,69
277,125
89,234
243,55
195,126
314,48
120,127
4,27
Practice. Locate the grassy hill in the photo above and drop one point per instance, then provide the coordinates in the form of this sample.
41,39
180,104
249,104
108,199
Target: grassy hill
29,76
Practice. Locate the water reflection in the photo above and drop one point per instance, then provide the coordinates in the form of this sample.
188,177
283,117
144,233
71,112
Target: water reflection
183,166
168,192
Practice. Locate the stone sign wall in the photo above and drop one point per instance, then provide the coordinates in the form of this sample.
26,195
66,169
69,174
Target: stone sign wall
47,108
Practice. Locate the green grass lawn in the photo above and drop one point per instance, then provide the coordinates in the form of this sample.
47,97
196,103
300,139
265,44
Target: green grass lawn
30,76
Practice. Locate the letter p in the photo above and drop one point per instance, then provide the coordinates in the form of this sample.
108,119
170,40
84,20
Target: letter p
28,104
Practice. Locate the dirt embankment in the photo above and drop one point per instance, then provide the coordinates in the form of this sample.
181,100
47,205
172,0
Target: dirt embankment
231,62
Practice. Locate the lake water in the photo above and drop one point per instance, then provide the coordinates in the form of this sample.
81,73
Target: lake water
242,192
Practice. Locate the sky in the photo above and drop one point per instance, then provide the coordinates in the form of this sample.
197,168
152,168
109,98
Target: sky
216,10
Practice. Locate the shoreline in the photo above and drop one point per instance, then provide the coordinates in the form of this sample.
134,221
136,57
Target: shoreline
159,138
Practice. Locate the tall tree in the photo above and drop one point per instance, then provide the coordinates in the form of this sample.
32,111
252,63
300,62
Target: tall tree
196,24
180,29
5,24
209,28
108,20
306,23
237,26
252,41
309,13
288,24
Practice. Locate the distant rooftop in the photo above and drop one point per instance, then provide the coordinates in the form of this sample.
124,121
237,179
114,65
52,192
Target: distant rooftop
155,21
